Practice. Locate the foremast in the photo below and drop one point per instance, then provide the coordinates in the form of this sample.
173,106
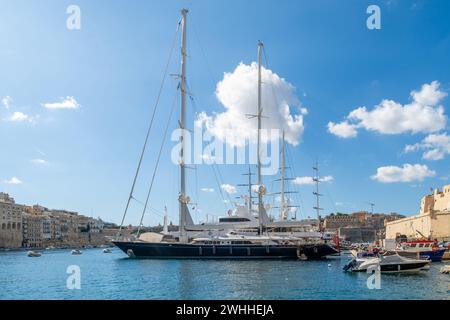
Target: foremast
259,116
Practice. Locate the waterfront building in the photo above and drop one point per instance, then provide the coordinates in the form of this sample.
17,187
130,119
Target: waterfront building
339,220
433,220
358,234
37,226
10,222
33,230
96,225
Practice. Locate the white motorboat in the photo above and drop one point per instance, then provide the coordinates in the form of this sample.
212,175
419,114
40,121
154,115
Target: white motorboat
76,252
107,250
33,254
388,263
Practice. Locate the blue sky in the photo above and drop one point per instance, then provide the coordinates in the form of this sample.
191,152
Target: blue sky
109,71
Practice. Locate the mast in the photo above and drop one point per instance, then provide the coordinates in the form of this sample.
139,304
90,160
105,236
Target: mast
316,179
260,186
182,198
165,225
282,211
249,186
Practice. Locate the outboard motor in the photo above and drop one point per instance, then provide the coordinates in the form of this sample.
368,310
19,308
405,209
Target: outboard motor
350,265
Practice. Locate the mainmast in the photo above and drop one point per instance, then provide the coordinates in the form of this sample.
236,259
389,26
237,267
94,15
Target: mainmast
260,186
316,179
183,199
282,211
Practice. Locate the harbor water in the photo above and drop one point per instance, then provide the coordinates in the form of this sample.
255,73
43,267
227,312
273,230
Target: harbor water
115,276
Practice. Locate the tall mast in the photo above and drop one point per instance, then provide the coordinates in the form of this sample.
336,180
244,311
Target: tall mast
282,211
183,197
316,179
260,186
249,204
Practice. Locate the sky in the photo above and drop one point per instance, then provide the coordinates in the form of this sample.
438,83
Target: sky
369,105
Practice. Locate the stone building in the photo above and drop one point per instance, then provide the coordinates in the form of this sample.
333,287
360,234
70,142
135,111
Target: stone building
33,230
339,220
10,222
433,220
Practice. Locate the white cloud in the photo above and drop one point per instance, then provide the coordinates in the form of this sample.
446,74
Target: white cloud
343,129
423,114
19,116
436,146
237,92
65,103
310,180
228,188
406,173
207,189
41,162
13,180
7,101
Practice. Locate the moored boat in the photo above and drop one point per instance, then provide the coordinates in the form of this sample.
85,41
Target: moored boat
388,263
220,248
421,249
33,254
184,245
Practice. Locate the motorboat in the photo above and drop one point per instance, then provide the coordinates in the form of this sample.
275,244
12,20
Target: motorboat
76,252
388,263
33,254
107,250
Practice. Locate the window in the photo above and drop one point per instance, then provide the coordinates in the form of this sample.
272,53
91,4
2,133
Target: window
3,226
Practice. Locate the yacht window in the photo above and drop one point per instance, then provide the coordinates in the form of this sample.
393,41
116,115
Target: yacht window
420,245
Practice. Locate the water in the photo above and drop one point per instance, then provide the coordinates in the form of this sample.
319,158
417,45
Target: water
114,276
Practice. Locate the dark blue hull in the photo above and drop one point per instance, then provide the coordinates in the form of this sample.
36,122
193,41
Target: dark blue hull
234,251
433,255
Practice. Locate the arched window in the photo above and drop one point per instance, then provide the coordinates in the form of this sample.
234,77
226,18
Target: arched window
9,226
14,225
3,226
18,225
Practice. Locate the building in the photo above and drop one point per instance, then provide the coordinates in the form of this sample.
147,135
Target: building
96,225
358,234
340,220
33,230
10,222
433,220
360,226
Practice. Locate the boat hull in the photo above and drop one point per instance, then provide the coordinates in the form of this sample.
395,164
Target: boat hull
203,251
432,255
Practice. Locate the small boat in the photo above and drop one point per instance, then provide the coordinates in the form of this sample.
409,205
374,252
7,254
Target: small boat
76,252
33,254
421,249
50,248
445,269
388,263
107,250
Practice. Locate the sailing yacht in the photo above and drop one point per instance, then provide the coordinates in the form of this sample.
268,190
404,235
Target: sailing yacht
231,246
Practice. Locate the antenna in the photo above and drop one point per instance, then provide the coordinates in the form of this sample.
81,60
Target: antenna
371,206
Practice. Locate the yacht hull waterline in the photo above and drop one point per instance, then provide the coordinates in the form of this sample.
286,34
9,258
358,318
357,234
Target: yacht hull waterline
223,251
